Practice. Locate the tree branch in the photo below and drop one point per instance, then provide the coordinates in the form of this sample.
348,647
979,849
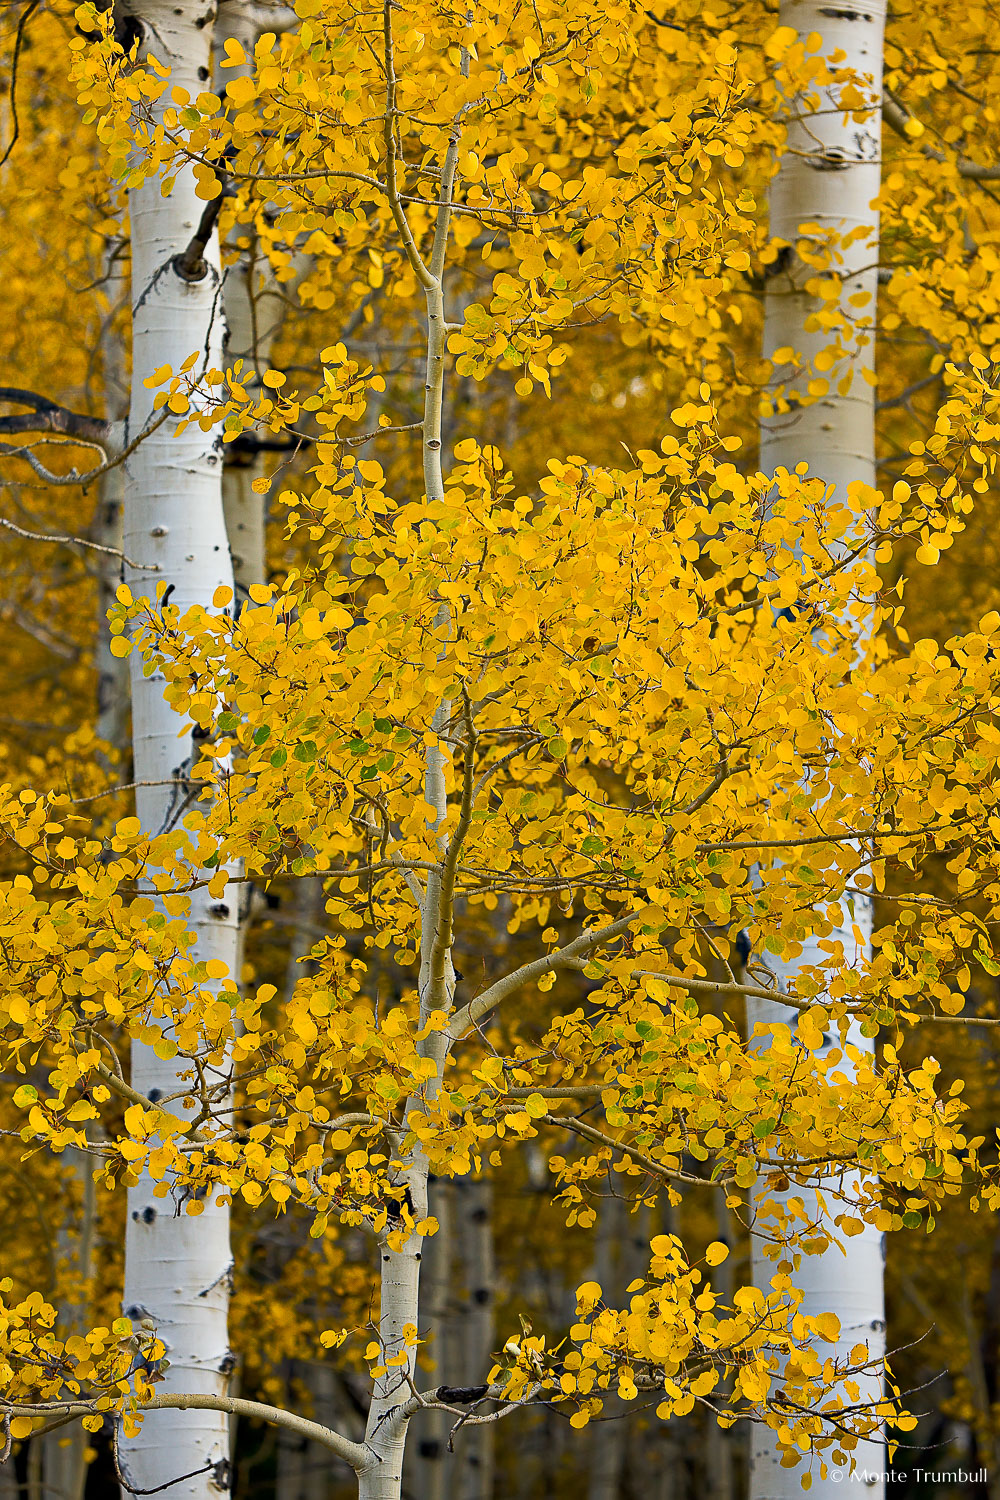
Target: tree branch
443,915
658,1169
191,264
44,415
421,272
897,117
28,9
562,958
78,541
352,1453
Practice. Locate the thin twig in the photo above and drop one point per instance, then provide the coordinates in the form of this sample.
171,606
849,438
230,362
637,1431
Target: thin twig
127,1487
77,541
29,8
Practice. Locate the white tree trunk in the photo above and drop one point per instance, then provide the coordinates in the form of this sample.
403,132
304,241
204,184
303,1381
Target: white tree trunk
177,1266
385,1434
829,176
255,308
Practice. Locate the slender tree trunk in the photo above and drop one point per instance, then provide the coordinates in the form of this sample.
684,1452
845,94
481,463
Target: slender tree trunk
34,1471
432,1466
63,1452
64,1466
319,1461
309,914
607,1439
828,177
476,1455
289,1480
112,671
255,309
385,1435
718,1440
177,1266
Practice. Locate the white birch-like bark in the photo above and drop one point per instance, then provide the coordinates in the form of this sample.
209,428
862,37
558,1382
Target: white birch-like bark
177,1266
385,1434
255,305
254,312
828,176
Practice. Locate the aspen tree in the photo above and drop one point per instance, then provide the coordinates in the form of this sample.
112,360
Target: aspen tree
177,1264
613,626
822,205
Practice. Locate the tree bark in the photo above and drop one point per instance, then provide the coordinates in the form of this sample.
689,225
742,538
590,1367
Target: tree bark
63,1452
829,176
477,1444
385,1433
112,671
431,1468
177,1266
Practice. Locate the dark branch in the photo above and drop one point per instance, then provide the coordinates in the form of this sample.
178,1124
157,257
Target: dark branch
31,6
460,1395
45,416
191,265
248,445
211,1467
898,117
